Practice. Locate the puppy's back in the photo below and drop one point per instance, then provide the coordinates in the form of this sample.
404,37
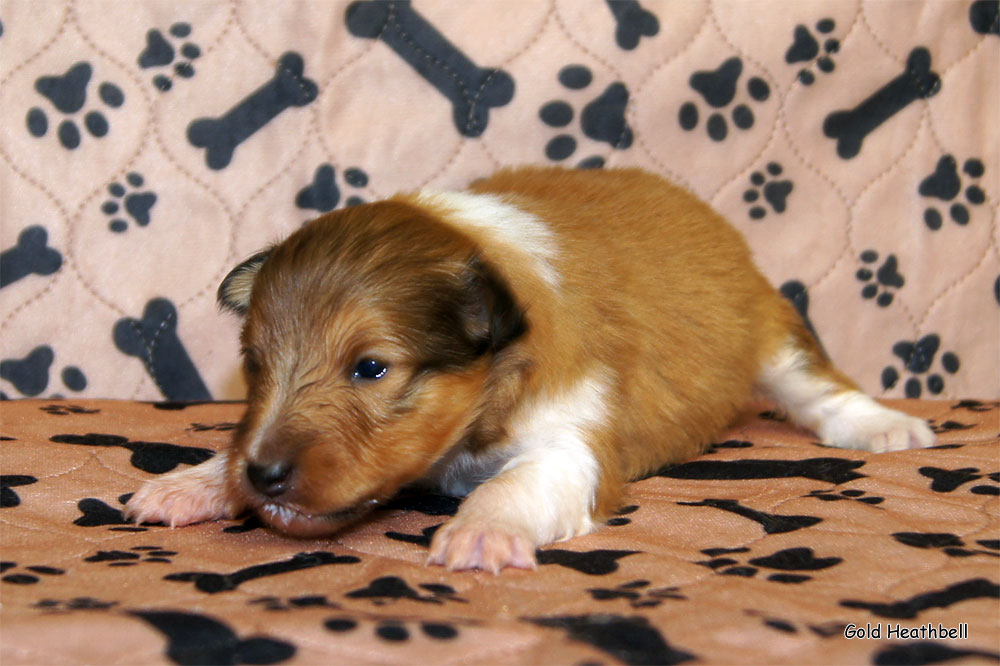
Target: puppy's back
660,289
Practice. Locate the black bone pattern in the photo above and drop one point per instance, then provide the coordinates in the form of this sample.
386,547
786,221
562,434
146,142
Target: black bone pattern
633,21
222,136
472,90
850,128
31,256
154,339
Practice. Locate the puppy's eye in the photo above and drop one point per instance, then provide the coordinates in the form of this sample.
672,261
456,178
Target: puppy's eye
251,361
370,369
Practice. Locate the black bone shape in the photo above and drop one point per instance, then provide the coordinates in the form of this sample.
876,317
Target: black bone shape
221,136
154,339
471,89
30,256
851,127
633,21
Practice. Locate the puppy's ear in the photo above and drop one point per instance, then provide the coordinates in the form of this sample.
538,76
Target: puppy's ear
234,292
491,315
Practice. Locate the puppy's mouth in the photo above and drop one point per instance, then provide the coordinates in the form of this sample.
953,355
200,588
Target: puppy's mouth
293,521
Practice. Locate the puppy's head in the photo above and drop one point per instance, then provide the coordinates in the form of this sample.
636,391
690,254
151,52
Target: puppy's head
367,341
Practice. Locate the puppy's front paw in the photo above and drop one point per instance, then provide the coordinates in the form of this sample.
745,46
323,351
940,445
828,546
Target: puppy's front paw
461,544
184,497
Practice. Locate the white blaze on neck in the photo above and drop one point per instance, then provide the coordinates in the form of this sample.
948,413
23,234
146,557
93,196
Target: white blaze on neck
546,477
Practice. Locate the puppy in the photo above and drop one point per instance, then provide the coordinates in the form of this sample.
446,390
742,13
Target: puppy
532,344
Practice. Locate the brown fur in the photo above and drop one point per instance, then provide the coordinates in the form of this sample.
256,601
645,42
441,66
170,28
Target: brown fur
656,286
657,296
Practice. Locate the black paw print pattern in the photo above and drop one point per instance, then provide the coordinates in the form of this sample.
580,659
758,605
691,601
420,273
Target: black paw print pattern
28,575
602,119
9,498
918,359
68,94
945,184
637,594
137,205
775,191
879,282
30,375
159,52
849,494
950,544
76,603
718,88
395,631
133,556
805,48
324,195
790,559
63,409
620,514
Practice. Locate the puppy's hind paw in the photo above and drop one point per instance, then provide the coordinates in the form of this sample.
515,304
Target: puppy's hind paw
467,546
861,423
901,434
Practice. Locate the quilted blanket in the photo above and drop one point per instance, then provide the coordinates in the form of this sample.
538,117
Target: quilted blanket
767,549
147,147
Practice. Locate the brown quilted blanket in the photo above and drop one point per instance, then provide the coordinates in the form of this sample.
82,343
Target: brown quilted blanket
767,549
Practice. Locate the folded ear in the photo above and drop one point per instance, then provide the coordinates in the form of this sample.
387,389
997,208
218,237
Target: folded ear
491,315
234,292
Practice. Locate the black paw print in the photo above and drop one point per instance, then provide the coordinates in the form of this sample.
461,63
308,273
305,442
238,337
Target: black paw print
136,204
715,447
918,359
159,52
790,559
133,556
620,516
389,589
304,601
395,631
76,603
775,191
224,426
61,409
324,195
30,375
68,93
718,88
26,578
845,495
805,48
636,596
9,498
880,281
602,119
945,184
950,544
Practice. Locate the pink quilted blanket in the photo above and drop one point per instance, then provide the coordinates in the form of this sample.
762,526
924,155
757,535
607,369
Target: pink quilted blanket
147,147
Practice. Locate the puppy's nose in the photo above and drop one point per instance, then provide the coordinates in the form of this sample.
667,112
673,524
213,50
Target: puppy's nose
270,480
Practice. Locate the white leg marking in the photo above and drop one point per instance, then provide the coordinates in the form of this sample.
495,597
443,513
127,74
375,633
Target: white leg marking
544,493
505,223
186,496
842,417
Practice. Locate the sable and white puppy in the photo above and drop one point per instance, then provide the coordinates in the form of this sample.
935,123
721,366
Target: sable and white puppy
533,343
